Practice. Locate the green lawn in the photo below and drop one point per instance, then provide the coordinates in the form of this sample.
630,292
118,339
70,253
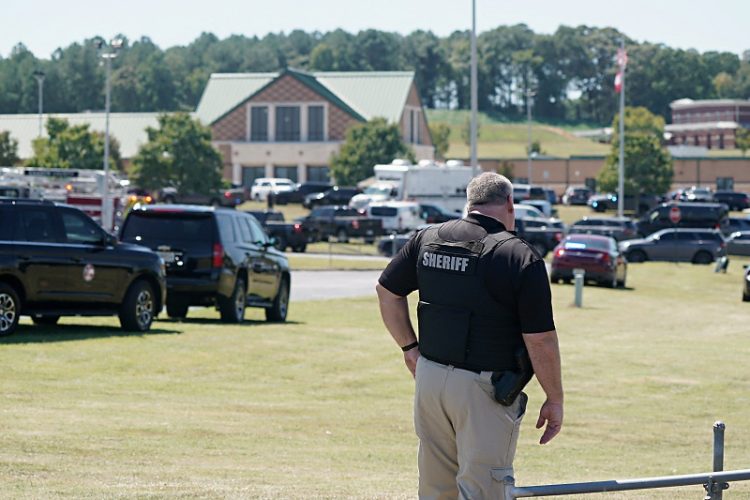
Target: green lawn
320,407
509,140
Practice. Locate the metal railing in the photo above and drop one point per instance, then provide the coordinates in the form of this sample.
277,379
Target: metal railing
713,482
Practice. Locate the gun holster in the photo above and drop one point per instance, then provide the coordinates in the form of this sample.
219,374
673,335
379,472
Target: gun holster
508,384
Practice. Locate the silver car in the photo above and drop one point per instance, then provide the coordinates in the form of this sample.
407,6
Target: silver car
699,246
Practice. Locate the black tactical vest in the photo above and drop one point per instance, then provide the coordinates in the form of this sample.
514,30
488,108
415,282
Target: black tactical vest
460,323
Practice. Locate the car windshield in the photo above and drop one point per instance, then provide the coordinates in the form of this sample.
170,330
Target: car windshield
378,189
383,211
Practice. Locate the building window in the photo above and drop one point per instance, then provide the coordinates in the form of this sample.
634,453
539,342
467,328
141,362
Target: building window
249,174
318,174
286,172
315,123
287,123
259,123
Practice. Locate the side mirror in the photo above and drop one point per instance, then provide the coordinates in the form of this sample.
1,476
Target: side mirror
108,240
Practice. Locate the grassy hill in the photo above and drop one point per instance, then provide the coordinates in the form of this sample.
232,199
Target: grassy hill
499,139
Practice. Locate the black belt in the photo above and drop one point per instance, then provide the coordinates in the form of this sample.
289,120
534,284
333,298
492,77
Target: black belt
454,365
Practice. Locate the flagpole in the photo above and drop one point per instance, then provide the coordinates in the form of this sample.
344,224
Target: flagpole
473,124
621,176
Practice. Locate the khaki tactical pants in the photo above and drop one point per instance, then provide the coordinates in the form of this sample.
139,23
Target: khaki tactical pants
467,440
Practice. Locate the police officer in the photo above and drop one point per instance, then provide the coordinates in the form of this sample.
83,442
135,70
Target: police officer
483,295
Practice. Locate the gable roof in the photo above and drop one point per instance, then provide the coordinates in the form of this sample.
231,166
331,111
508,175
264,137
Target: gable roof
364,95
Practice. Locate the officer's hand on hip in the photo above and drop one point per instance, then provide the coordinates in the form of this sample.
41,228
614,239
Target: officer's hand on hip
552,413
410,358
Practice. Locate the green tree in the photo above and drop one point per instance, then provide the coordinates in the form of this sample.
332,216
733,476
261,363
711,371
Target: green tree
742,140
73,147
648,166
366,145
179,154
8,150
440,133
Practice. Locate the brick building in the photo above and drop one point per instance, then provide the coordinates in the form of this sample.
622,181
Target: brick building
289,124
708,123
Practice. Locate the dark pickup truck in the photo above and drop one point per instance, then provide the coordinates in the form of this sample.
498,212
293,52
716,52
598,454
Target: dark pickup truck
342,223
292,235
543,234
229,197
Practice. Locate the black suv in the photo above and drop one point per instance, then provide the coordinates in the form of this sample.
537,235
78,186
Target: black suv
335,196
300,191
214,256
56,261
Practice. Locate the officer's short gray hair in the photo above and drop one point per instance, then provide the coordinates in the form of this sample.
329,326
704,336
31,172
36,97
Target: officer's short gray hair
489,188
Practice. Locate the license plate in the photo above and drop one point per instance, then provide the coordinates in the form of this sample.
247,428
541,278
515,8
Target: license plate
169,257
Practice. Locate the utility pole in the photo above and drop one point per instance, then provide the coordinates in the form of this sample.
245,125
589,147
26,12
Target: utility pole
39,75
529,94
473,129
107,55
622,62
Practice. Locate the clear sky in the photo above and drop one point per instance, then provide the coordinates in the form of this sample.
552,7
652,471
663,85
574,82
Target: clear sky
44,25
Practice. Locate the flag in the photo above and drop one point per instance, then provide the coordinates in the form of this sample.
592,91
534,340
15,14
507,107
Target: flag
622,61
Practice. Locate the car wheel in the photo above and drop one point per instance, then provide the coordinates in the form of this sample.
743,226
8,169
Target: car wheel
636,256
278,311
45,320
341,236
10,307
169,199
745,297
369,241
281,243
567,281
177,308
702,257
612,283
554,278
137,310
215,203
300,248
232,308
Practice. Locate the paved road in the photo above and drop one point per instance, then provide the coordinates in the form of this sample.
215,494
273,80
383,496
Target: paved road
318,285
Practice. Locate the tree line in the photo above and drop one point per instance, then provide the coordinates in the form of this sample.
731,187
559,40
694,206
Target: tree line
568,74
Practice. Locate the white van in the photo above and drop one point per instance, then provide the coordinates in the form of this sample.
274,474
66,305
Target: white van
264,185
397,216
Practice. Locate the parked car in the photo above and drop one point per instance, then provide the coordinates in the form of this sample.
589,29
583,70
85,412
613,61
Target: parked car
214,257
294,235
735,224
230,197
541,233
544,206
699,246
56,261
733,199
342,223
397,216
746,285
551,196
608,201
434,214
576,195
391,244
684,215
619,228
522,192
738,243
597,255
337,195
697,194
522,211
264,185
300,191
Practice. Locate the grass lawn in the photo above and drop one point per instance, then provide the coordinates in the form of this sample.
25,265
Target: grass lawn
320,407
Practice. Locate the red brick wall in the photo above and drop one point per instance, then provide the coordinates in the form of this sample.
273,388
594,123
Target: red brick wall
232,127
338,122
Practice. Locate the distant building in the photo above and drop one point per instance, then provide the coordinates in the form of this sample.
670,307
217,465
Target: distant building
289,124
708,123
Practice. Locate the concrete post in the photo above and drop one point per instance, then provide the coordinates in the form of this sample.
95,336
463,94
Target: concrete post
578,276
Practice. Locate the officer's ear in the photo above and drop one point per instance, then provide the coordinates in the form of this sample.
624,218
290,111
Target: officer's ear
509,202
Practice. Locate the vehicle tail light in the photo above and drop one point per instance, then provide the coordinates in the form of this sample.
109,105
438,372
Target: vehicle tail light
227,194
148,199
559,252
605,257
297,228
217,256
355,224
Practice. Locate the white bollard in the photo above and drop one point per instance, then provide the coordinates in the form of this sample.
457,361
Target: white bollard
578,275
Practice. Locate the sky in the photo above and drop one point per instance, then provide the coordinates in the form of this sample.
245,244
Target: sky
45,25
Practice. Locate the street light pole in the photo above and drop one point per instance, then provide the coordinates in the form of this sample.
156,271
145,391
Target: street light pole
473,128
529,95
39,75
114,45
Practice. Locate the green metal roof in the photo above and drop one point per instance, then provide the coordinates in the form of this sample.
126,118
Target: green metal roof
365,95
372,93
225,91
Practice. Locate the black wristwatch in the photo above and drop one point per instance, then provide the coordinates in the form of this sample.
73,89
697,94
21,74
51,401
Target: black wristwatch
410,346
